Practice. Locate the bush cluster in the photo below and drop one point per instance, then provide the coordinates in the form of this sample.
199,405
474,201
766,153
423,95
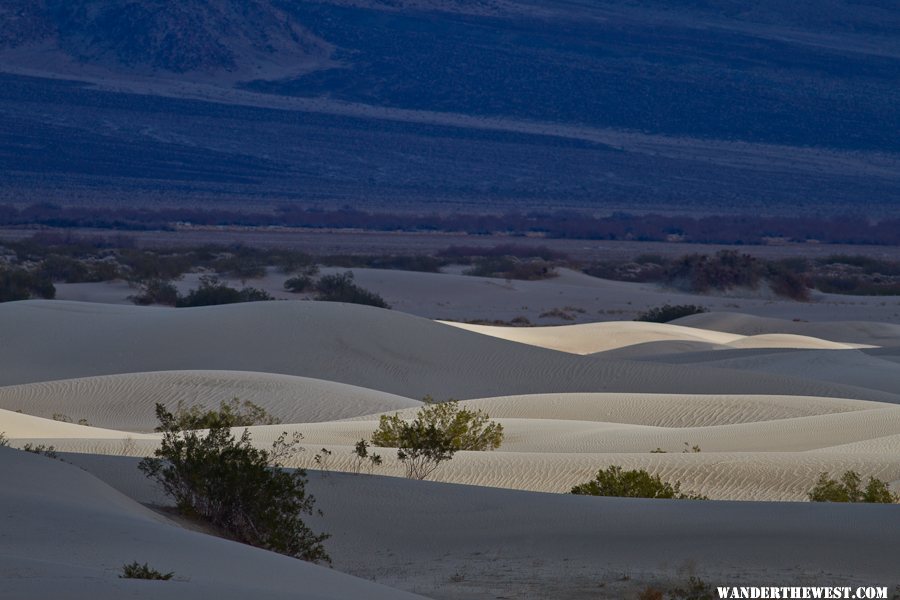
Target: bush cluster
143,571
670,312
241,490
438,431
849,489
632,484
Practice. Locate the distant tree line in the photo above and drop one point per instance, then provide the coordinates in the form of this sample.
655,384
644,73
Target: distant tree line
747,229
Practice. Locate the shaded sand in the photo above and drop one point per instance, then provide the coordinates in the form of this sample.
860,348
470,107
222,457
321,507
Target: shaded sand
357,345
127,401
66,535
451,541
589,338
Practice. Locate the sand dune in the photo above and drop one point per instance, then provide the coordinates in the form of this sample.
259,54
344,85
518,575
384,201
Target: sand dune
358,345
859,332
67,534
127,401
554,441
771,409
460,541
590,338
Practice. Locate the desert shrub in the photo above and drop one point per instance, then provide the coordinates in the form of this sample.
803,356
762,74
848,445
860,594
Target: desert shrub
299,284
143,571
156,291
235,487
342,288
42,449
232,413
849,489
670,312
696,589
21,284
787,278
464,429
631,484
724,270
650,593
213,292
435,435
362,456
4,441
510,267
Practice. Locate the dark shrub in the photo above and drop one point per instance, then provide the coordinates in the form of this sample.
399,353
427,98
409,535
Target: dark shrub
342,288
213,292
237,488
138,571
299,284
669,312
20,284
156,291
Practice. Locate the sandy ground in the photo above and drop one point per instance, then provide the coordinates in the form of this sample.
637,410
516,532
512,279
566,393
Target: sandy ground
771,404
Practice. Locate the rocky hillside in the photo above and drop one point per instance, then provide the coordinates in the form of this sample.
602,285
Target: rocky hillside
249,38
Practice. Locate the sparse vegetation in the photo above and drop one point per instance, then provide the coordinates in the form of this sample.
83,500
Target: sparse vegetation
4,441
143,571
465,429
232,413
849,489
299,284
342,288
438,431
241,490
636,483
156,291
42,449
213,292
669,312
511,267
696,589
362,456
21,284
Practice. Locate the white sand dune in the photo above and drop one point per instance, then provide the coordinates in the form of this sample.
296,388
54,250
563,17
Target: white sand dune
753,447
859,332
66,535
590,338
357,345
127,401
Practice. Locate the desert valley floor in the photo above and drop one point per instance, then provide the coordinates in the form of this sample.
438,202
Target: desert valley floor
771,402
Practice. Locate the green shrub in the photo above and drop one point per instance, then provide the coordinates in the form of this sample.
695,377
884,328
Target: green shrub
849,489
138,571
233,413
669,312
362,456
463,428
235,487
631,484
435,435
342,288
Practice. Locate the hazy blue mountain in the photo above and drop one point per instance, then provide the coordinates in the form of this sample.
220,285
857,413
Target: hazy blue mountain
683,105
